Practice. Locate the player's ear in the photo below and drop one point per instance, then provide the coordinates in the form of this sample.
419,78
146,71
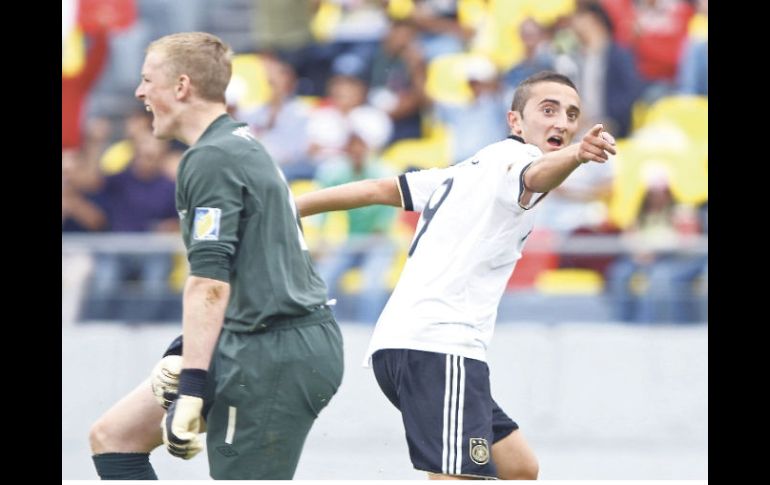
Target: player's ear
514,122
182,88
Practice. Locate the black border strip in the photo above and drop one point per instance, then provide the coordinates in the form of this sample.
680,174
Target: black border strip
405,194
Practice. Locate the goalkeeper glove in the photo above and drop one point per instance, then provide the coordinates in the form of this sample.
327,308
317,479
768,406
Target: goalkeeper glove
165,379
182,422
165,376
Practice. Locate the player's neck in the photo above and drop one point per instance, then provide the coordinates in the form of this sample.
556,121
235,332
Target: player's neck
197,118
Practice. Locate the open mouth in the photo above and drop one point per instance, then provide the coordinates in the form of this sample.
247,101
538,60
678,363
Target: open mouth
147,108
555,141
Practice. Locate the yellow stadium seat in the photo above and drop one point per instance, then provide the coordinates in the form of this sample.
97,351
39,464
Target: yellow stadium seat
497,33
638,114
569,281
690,113
674,134
73,53
430,152
497,37
302,186
664,144
546,12
352,281
179,271
250,78
325,20
472,13
446,80
398,265
333,228
698,27
627,186
116,157
400,9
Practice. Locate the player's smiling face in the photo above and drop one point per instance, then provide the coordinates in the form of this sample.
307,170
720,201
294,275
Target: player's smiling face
156,91
550,117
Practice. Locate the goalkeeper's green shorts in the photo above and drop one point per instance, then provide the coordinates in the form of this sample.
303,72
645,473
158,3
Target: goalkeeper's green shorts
268,388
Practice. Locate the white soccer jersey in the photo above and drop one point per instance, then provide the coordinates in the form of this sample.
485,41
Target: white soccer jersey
470,235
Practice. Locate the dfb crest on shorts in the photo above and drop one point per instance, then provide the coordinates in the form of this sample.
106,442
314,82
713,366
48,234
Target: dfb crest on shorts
479,451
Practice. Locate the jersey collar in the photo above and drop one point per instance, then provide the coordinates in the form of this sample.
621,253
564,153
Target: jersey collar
517,138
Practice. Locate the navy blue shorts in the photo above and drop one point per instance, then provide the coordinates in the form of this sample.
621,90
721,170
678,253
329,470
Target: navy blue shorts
450,418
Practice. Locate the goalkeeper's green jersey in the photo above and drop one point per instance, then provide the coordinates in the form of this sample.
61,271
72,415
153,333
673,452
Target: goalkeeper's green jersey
240,225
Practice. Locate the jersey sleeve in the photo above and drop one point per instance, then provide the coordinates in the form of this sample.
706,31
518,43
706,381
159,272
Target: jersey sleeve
212,189
417,187
513,187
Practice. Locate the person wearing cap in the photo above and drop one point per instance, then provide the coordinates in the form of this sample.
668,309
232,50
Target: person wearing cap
428,350
475,123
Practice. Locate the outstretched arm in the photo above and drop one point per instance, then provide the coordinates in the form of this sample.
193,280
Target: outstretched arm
350,196
549,171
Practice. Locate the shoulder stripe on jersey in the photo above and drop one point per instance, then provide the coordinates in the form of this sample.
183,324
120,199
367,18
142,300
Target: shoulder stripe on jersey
522,187
406,196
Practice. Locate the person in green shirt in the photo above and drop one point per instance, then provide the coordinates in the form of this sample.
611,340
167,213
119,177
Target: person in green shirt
262,353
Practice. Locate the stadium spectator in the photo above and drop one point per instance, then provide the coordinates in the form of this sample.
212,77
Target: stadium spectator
440,29
608,80
281,123
475,123
666,292
693,73
368,245
327,126
537,54
80,210
137,199
655,31
397,80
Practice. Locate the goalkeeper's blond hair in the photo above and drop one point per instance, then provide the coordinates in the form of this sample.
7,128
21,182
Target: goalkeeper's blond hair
203,57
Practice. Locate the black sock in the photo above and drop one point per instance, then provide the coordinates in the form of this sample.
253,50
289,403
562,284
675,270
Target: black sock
124,466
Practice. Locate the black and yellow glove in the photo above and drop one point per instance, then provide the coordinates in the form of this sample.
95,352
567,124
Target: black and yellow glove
164,378
182,422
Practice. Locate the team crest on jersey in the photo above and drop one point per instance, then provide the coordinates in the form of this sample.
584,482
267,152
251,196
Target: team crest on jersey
206,224
479,451
244,133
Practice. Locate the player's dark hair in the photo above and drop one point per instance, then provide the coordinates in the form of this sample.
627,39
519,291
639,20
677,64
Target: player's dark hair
524,89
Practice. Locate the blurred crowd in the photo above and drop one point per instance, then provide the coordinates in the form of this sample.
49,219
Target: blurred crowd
341,90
